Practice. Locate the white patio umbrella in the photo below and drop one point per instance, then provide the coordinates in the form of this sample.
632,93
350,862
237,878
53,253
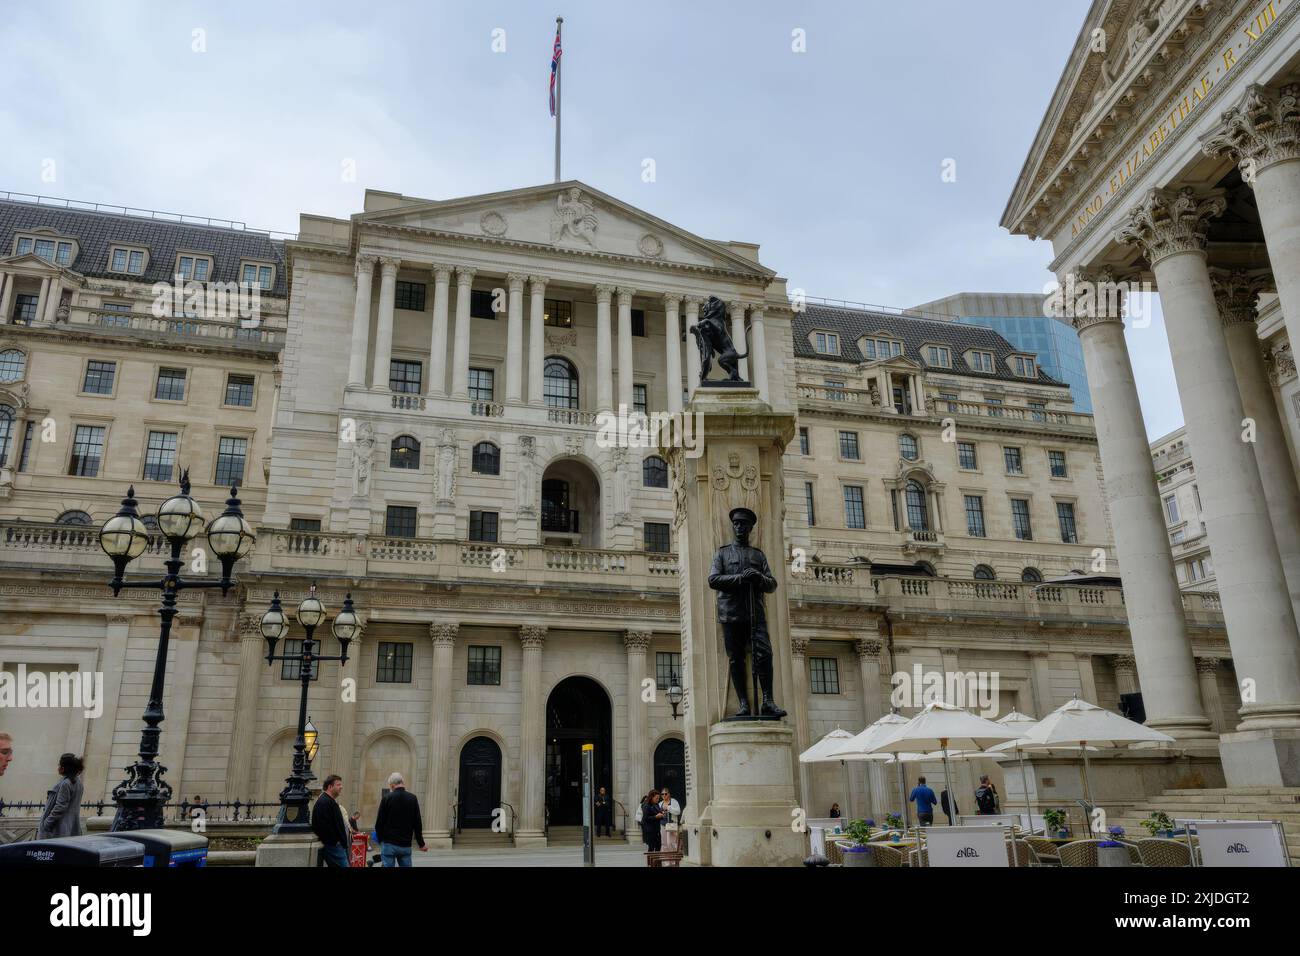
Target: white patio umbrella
820,753
861,745
1088,726
943,727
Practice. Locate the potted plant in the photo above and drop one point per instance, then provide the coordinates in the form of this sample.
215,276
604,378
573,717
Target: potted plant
1159,824
855,852
1054,822
895,823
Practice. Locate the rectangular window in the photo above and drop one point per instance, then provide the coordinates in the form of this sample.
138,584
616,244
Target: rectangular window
87,451
193,268
951,398
1171,509
657,537
1020,519
639,399
638,322
812,504
855,515
128,261
981,361
45,249
803,441
1178,537
409,295
99,378
1038,411
171,385
938,356
231,456
239,390
25,457
975,516
404,377
394,664
966,457
64,256
24,246
160,456
480,304
826,343
1065,516
995,406
399,521
1056,460
849,446
668,668
1011,457
483,526
24,309
834,390
292,670
258,275
881,348
1024,366
304,524
481,384
824,675
557,313
484,666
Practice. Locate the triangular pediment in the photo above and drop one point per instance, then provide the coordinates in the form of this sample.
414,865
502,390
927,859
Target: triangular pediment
30,262
569,216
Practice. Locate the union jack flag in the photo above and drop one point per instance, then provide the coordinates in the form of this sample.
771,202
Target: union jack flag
555,68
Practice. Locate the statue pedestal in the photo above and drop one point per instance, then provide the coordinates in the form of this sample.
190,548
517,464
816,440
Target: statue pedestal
753,795
288,849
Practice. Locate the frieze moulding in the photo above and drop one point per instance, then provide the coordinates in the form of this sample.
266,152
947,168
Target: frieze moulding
611,610
91,594
1166,223
1261,130
558,339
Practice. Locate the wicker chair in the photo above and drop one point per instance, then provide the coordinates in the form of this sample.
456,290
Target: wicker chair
1019,853
918,857
885,855
1157,852
1134,854
1045,852
1079,853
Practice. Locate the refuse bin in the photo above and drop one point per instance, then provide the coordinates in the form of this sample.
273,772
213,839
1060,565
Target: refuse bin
92,850
360,844
169,848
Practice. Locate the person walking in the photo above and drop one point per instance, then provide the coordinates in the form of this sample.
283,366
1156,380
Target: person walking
62,814
949,807
671,808
925,800
604,812
651,819
399,823
986,797
327,824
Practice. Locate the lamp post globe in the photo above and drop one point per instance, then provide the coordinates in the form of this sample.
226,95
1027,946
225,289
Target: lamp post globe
230,535
311,611
180,516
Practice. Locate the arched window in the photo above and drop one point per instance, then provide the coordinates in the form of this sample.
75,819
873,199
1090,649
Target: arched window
918,515
73,517
13,363
1031,576
560,383
486,459
984,573
654,472
404,453
908,448
7,416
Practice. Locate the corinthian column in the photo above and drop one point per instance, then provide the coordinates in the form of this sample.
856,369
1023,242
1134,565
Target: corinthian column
532,738
460,346
1170,230
239,776
1262,134
384,330
873,708
673,352
1207,669
737,310
693,303
638,727
437,814
438,340
515,339
802,730
625,373
604,351
361,321
1157,625
536,338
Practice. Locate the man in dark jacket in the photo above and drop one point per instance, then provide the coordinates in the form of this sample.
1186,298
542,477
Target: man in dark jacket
327,824
398,823
604,813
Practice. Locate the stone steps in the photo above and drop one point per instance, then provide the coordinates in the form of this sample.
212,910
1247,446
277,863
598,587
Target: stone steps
1244,803
481,839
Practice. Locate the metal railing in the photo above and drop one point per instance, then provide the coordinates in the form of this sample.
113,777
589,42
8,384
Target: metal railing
215,811
183,219
511,831
231,330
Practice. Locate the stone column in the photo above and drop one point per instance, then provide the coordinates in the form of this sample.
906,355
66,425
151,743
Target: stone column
515,339
437,814
42,301
758,350
693,303
536,339
604,351
1235,294
873,708
99,774
802,727
1207,670
7,283
1157,625
460,345
1040,678
737,311
1126,679
252,663
532,739
625,373
1087,680
438,341
1170,229
365,273
384,326
672,352
343,741
638,727
50,309
1262,134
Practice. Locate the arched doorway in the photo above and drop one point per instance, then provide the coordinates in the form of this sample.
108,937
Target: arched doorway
577,712
480,783
570,505
670,768
387,753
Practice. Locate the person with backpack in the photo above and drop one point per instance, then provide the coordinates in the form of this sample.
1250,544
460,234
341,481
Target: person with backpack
986,797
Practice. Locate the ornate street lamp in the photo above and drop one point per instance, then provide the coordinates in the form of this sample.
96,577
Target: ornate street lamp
295,812
142,795
674,692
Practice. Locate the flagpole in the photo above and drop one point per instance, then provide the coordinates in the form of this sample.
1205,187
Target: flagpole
559,66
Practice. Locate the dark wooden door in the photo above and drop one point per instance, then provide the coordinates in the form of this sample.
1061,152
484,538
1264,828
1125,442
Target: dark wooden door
670,769
480,783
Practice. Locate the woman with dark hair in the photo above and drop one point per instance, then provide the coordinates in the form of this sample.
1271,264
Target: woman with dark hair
62,814
651,819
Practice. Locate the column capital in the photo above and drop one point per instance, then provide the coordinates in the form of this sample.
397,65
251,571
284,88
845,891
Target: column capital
365,264
532,636
443,634
1261,130
465,275
868,650
442,273
537,284
636,642
1084,655
128,618
603,293
625,295
1281,365
1092,297
1207,665
736,306
516,280
1124,664
799,646
388,265
672,301
693,301
250,626
1166,223
1236,292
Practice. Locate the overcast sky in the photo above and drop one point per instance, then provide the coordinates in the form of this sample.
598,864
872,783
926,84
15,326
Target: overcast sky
830,159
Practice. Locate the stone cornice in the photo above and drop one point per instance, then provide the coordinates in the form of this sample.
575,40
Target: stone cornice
1261,130
1166,223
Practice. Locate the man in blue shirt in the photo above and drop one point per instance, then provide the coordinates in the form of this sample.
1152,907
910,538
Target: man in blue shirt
925,800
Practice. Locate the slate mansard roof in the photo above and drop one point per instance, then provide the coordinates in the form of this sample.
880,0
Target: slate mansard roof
853,324
96,232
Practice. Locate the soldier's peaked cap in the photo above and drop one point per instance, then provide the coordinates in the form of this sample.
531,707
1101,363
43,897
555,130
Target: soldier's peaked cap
742,513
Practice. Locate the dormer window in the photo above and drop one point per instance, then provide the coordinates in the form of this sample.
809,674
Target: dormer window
938,356
259,274
877,348
1024,366
59,251
127,260
980,361
196,268
826,343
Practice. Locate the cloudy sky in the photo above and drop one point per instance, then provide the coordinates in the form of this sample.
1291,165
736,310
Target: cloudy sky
830,158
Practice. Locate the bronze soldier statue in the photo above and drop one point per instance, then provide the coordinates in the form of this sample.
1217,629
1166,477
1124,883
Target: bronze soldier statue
741,577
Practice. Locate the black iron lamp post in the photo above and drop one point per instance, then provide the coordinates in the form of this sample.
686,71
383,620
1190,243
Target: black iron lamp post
295,813
142,795
674,692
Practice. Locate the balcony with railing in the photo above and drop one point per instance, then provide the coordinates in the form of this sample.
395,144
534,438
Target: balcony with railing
257,333
864,400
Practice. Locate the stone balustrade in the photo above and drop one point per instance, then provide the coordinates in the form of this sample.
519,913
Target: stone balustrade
214,331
